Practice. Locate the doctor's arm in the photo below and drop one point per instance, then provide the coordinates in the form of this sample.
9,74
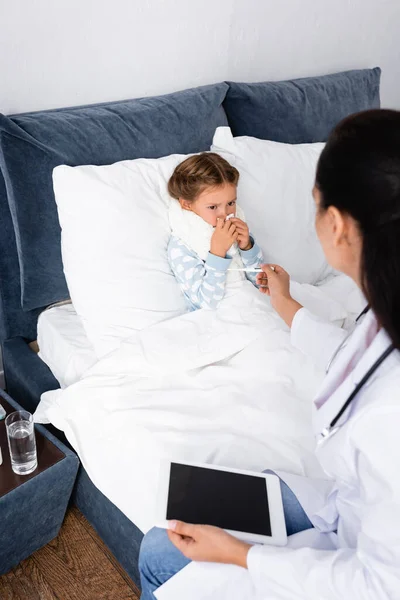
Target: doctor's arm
367,572
371,570
312,335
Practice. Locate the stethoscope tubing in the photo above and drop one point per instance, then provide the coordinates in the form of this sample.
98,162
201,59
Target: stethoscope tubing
341,346
328,430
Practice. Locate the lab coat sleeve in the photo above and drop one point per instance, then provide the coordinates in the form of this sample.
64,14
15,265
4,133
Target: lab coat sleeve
315,337
371,570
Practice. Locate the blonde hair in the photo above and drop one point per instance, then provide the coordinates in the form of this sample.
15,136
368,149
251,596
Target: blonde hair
206,170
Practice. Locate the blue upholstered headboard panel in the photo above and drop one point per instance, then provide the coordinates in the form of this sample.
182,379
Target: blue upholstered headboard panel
31,145
13,320
303,110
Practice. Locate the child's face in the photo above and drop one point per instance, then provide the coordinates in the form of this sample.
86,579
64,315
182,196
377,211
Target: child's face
213,203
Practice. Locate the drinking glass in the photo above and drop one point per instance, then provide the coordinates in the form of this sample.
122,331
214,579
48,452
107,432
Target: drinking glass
21,442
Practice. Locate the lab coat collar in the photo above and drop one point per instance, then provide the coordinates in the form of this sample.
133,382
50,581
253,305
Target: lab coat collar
337,393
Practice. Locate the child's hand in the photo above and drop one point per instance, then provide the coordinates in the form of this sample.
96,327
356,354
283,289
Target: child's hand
224,236
242,229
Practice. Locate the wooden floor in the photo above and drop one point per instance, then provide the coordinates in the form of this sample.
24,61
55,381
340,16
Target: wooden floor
75,566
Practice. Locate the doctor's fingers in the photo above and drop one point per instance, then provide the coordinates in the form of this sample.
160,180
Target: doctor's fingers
185,529
264,290
262,278
275,274
262,283
275,269
184,544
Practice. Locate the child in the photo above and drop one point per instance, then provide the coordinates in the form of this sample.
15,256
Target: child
208,237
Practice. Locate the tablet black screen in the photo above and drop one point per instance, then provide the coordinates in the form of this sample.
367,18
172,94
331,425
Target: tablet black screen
210,497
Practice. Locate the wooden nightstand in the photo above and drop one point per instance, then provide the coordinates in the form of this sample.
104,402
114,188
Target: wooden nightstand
32,507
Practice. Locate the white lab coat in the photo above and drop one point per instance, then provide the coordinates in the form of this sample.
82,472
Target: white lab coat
361,501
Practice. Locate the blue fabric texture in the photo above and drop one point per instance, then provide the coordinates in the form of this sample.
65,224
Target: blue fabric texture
32,145
45,496
303,110
117,531
26,375
203,282
159,560
13,320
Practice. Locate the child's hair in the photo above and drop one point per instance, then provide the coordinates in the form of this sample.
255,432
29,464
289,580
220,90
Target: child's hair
192,176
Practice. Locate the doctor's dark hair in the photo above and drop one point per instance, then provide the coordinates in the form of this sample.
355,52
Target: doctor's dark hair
199,172
359,173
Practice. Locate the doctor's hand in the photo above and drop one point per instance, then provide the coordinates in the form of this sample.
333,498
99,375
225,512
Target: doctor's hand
275,282
208,544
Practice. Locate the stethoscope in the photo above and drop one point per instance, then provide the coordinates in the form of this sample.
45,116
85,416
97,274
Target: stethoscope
332,427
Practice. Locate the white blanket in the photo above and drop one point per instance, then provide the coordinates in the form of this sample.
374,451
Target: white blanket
224,387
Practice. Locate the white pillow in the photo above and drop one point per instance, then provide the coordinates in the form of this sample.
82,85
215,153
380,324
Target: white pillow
63,344
274,191
115,232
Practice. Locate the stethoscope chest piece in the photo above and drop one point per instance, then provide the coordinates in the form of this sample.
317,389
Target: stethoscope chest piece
327,433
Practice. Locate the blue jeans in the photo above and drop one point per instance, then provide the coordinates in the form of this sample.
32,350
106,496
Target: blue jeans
159,560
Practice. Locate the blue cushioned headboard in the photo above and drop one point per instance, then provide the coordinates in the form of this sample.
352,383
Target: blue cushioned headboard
31,145
303,110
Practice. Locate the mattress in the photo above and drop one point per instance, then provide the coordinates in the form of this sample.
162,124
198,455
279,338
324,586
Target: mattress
63,344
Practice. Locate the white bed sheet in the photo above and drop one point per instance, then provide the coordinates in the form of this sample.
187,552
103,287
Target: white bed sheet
63,344
223,387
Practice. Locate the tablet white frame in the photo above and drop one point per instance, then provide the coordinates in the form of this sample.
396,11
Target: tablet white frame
274,495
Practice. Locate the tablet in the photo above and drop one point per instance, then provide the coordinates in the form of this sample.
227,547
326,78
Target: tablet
247,505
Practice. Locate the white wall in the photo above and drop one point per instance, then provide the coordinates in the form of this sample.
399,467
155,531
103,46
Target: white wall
57,53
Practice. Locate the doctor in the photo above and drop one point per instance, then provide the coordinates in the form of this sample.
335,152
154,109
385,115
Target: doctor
357,410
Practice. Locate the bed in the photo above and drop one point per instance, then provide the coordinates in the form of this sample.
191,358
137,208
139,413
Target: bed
31,269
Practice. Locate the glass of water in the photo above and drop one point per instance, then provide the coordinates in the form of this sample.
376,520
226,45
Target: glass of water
21,442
